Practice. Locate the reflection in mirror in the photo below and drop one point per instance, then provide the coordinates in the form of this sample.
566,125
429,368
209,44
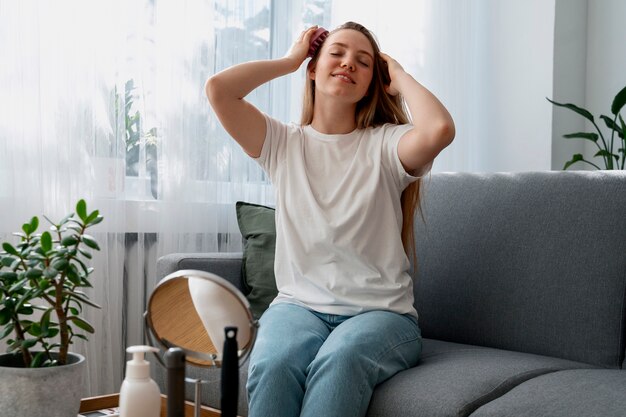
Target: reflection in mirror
190,309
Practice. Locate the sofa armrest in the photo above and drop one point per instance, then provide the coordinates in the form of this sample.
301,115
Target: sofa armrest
225,265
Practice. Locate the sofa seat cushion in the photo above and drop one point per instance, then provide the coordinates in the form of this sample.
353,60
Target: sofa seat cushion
451,380
571,393
454,380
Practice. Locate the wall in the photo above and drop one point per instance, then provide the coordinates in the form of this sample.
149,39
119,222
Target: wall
606,59
570,74
521,69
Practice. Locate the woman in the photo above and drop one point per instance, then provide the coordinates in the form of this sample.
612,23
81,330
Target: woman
347,182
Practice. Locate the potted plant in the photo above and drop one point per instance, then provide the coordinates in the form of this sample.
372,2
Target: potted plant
45,273
613,159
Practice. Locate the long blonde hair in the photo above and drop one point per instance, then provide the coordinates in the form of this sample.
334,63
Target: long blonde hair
375,109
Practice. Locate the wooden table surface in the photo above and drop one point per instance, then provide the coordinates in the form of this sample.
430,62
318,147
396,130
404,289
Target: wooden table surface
112,400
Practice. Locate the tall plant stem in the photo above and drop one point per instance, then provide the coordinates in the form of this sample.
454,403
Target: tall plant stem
26,356
63,329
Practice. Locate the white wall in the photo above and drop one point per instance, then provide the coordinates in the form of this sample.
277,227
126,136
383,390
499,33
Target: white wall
520,66
570,74
606,58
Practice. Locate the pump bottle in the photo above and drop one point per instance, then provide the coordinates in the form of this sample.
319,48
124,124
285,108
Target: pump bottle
139,395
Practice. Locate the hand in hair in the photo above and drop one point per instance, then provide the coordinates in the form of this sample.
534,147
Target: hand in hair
298,51
433,127
394,69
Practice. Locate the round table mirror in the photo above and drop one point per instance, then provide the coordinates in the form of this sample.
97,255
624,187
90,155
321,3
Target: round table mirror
189,309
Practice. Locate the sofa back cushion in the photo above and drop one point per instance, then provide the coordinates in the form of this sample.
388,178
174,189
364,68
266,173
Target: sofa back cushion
533,262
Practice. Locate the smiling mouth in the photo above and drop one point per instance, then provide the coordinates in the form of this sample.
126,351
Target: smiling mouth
344,78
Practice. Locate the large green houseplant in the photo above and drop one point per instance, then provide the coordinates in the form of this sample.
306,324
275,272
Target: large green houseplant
46,272
612,158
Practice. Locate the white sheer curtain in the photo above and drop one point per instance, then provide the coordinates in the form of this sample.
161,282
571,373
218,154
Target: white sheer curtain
482,60
104,101
60,141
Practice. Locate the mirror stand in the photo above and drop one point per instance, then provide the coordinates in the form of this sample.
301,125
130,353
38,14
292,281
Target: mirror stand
197,313
197,382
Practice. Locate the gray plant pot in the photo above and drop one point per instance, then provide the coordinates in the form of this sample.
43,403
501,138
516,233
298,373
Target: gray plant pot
40,392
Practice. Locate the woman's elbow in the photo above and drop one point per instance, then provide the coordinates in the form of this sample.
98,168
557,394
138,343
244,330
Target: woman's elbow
445,132
211,88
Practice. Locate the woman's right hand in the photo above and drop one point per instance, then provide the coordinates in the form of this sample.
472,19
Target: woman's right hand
298,51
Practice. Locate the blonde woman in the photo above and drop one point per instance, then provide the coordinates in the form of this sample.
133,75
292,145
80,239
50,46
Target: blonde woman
347,181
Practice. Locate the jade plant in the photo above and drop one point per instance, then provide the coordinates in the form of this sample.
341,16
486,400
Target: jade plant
46,272
612,158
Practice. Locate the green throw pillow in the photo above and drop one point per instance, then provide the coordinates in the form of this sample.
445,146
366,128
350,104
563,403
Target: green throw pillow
258,227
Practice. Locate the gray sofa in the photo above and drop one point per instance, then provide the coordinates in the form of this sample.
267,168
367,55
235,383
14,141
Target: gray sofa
521,290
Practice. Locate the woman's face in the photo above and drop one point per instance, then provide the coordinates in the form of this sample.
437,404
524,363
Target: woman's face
344,67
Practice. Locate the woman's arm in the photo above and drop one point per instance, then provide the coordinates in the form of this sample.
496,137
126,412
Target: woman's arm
226,91
433,127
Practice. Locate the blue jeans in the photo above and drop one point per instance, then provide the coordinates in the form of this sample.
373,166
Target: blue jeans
306,363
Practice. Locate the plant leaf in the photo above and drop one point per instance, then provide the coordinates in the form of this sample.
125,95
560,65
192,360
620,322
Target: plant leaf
35,329
46,241
612,125
8,277
5,316
583,112
43,284
85,253
60,264
38,359
29,343
604,152
96,221
73,275
50,272
66,218
83,299
8,248
8,329
92,216
582,135
82,323
26,311
91,242
45,320
619,101
34,273
18,285
81,209
576,158
69,241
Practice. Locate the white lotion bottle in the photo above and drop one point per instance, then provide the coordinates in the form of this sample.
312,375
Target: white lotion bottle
139,395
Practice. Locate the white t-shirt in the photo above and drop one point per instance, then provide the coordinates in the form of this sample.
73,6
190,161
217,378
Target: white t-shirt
339,218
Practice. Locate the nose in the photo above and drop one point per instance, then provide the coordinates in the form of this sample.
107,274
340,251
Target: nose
347,64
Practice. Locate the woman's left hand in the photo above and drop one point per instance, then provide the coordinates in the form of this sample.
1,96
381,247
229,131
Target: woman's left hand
395,69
